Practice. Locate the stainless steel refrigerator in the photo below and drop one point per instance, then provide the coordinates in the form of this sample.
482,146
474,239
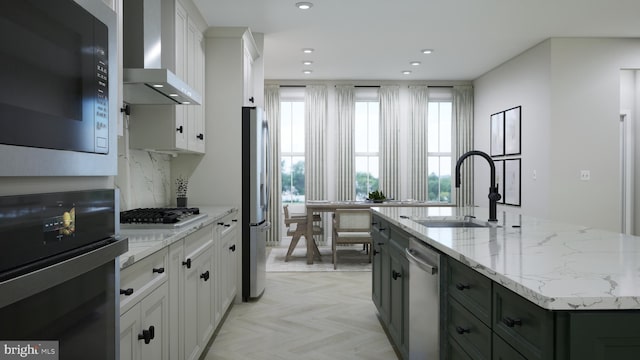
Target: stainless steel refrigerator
255,200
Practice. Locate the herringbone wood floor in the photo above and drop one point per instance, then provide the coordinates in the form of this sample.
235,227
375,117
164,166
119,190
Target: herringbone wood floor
312,315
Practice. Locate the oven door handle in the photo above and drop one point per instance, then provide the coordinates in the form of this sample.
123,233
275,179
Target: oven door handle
23,286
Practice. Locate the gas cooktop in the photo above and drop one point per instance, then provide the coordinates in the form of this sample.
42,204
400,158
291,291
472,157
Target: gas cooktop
159,218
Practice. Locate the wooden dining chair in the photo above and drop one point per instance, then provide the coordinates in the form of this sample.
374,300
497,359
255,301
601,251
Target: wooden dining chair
350,226
297,227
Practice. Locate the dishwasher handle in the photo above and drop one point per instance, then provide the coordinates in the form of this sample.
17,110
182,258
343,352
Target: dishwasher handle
412,255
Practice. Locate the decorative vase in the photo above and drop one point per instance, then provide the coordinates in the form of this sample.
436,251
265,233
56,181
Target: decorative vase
181,201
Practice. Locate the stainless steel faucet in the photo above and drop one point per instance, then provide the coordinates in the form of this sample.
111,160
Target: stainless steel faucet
494,196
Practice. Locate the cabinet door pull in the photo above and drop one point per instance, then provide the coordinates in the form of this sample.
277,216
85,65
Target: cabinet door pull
251,99
158,270
205,275
180,129
232,248
374,223
375,252
200,136
460,330
395,275
462,287
220,223
511,322
147,335
187,263
234,220
126,292
227,225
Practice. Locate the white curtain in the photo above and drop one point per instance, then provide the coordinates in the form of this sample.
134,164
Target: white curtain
418,103
315,103
272,110
389,161
463,130
346,110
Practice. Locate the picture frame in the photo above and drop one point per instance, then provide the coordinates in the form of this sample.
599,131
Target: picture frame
512,131
512,182
499,165
497,134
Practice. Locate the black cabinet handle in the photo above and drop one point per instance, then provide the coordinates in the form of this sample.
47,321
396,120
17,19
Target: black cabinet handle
147,335
158,270
205,275
395,275
251,99
462,287
460,330
126,292
227,225
380,243
187,263
180,129
232,248
374,223
200,136
382,229
220,223
234,220
512,322
375,252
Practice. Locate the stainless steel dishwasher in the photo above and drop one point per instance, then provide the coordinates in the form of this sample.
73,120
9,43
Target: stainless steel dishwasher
424,301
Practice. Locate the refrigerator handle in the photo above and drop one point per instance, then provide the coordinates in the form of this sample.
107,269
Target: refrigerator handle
268,167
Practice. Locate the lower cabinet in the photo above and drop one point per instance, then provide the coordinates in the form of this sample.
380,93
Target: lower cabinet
390,291
172,301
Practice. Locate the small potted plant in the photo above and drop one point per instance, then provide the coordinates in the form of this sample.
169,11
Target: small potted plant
377,196
181,191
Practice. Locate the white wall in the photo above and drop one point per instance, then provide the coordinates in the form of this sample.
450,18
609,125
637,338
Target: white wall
522,81
570,121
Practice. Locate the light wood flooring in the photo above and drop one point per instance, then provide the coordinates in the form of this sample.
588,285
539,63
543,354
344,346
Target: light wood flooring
305,315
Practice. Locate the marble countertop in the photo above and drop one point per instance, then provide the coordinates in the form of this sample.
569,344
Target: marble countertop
555,265
144,242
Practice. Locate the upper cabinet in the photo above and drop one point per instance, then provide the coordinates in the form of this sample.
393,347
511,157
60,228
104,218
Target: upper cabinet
176,128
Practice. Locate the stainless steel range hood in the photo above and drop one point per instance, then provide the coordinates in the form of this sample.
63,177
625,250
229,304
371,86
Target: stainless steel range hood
149,56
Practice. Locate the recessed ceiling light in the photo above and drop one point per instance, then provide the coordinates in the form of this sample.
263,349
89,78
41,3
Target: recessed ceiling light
186,102
307,50
406,72
415,63
173,95
426,51
307,62
304,5
307,71
157,85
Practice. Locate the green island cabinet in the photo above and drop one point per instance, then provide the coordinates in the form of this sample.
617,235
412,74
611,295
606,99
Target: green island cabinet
481,319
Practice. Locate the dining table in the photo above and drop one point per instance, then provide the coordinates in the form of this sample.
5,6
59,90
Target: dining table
329,206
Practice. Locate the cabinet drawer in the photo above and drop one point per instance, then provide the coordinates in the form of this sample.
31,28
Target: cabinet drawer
455,351
142,277
379,225
524,325
472,334
471,289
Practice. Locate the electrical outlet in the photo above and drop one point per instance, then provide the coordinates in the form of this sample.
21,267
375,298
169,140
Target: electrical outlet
585,175
535,175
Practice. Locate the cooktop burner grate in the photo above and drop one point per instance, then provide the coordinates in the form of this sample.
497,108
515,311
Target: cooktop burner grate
157,215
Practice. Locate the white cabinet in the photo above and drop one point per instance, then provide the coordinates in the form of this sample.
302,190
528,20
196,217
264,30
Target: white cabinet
144,310
228,260
247,74
176,128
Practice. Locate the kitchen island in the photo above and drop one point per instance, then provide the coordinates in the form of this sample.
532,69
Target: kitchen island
527,287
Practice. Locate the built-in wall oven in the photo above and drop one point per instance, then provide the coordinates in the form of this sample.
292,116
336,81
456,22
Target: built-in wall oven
59,274
56,93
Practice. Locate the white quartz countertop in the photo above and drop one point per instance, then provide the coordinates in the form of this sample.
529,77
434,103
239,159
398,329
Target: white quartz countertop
554,265
144,242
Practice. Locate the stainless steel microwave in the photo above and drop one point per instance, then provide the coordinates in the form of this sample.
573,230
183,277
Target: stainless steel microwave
57,87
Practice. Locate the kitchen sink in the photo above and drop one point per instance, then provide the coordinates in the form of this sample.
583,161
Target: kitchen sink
453,223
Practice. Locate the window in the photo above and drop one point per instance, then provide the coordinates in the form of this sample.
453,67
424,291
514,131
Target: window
439,152
292,151
366,147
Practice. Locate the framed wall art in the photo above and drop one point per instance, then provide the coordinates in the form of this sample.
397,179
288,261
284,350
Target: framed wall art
512,182
512,133
499,164
497,134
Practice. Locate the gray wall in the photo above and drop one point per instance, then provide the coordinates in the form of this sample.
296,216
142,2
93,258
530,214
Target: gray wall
569,89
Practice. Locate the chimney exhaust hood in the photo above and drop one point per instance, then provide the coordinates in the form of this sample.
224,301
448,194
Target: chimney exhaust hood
149,55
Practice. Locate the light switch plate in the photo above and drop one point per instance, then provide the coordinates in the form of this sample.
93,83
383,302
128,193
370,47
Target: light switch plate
585,175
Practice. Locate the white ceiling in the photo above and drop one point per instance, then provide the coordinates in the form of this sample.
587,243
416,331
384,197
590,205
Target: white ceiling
376,39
